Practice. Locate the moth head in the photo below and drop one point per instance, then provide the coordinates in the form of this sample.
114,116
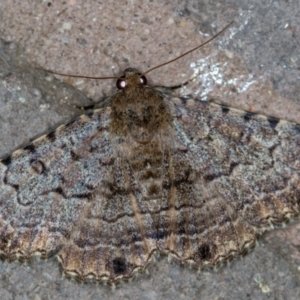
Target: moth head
131,79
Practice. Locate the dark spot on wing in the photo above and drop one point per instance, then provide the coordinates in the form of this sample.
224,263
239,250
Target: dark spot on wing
273,122
135,238
119,266
204,252
71,122
297,128
60,191
180,228
232,166
184,100
225,109
6,161
74,156
271,149
248,115
158,235
38,166
51,136
30,148
90,114
210,177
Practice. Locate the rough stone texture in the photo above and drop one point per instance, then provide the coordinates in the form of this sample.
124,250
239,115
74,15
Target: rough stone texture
254,66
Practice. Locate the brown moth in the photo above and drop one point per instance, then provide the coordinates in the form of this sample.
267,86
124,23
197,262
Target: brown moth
149,173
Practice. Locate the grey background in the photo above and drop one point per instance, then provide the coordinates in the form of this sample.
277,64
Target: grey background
255,65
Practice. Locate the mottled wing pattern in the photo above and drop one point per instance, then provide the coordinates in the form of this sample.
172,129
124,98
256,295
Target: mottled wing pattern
238,174
47,186
192,179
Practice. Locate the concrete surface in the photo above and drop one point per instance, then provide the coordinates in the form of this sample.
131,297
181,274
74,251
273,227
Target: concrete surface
254,65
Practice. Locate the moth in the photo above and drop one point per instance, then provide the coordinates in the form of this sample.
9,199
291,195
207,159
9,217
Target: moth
147,173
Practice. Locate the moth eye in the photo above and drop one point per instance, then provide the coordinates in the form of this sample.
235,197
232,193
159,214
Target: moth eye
143,79
121,83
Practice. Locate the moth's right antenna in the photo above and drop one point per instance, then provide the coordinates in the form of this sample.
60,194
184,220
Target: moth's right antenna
168,62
